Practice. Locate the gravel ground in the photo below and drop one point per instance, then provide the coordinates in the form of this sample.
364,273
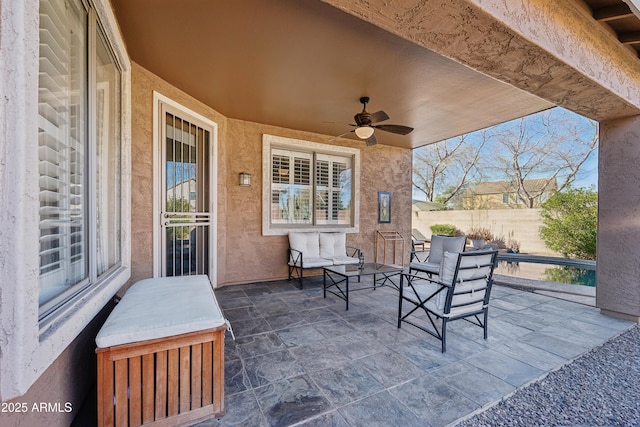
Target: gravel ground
601,388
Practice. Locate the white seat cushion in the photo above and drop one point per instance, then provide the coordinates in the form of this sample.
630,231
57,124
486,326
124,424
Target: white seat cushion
421,291
333,245
162,307
313,262
344,260
437,303
427,267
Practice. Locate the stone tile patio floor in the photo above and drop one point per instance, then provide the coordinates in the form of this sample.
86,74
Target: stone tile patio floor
301,359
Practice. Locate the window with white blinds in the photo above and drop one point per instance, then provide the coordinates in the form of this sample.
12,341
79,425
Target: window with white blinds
333,190
291,189
73,219
310,188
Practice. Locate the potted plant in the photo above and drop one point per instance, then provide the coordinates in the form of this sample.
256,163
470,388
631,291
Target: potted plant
479,236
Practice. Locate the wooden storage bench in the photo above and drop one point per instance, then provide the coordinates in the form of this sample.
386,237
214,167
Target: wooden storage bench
161,355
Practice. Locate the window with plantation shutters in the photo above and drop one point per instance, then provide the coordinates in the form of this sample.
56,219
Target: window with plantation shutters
333,190
310,188
62,139
291,187
79,228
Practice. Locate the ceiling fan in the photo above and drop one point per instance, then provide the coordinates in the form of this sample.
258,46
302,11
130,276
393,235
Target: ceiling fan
366,124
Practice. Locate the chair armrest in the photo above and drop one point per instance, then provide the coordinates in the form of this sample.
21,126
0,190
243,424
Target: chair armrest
355,252
409,277
294,256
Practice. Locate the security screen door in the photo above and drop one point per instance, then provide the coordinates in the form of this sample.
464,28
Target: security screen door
186,194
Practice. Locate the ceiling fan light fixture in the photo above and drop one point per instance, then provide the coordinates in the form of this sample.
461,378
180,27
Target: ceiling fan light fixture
364,132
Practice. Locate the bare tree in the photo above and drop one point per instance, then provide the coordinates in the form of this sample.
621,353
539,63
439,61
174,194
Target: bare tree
447,167
551,146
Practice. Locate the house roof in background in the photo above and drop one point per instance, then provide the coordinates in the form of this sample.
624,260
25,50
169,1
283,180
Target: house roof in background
499,187
421,205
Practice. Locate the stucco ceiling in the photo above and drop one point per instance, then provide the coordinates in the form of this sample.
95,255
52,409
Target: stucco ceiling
303,64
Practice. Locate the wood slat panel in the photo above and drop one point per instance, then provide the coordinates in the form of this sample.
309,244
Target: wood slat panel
207,373
135,391
196,376
218,373
185,379
122,383
170,387
105,391
161,385
148,388
173,374
126,351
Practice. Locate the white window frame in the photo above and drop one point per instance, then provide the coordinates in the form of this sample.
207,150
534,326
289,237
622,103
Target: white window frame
30,346
271,141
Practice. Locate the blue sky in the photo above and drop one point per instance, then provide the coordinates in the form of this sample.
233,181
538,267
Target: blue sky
557,121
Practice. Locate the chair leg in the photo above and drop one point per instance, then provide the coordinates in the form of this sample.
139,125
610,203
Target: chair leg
400,297
444,335
486,317
400,309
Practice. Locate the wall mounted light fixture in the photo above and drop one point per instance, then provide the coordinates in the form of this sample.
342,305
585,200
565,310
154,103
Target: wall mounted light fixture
245,179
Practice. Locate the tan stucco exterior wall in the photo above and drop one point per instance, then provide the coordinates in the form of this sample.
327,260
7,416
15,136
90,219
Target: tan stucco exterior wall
66,384
244,254
143,85
618,274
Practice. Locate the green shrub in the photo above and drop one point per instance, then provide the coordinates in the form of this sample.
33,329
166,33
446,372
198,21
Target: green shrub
444,229
570,222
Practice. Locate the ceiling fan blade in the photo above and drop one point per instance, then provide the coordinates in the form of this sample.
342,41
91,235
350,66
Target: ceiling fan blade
399,129
341,135
372,140
378,116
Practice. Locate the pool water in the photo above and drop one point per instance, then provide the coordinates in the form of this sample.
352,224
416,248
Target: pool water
548,272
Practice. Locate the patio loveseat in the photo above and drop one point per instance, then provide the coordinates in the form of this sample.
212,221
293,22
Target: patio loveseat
314,250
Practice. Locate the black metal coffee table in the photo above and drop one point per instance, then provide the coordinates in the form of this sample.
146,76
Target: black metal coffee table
339,274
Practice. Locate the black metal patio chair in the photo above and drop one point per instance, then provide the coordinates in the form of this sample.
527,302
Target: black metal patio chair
461,291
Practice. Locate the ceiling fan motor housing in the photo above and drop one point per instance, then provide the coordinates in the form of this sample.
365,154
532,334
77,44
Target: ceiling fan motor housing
363,118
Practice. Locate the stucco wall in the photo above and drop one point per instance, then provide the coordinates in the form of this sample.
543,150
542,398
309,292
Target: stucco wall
244,254
66,384
618,274
143,85
519,224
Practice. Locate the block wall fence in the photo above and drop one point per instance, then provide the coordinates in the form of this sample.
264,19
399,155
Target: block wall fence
521,225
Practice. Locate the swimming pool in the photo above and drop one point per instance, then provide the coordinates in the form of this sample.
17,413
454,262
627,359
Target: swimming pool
548,269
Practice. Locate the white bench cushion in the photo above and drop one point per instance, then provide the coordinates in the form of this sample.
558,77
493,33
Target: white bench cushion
162,307
307,243
333,245
344,260
313,262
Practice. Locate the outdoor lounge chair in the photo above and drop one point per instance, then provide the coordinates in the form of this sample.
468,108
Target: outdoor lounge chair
418,239
462,291
439,245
